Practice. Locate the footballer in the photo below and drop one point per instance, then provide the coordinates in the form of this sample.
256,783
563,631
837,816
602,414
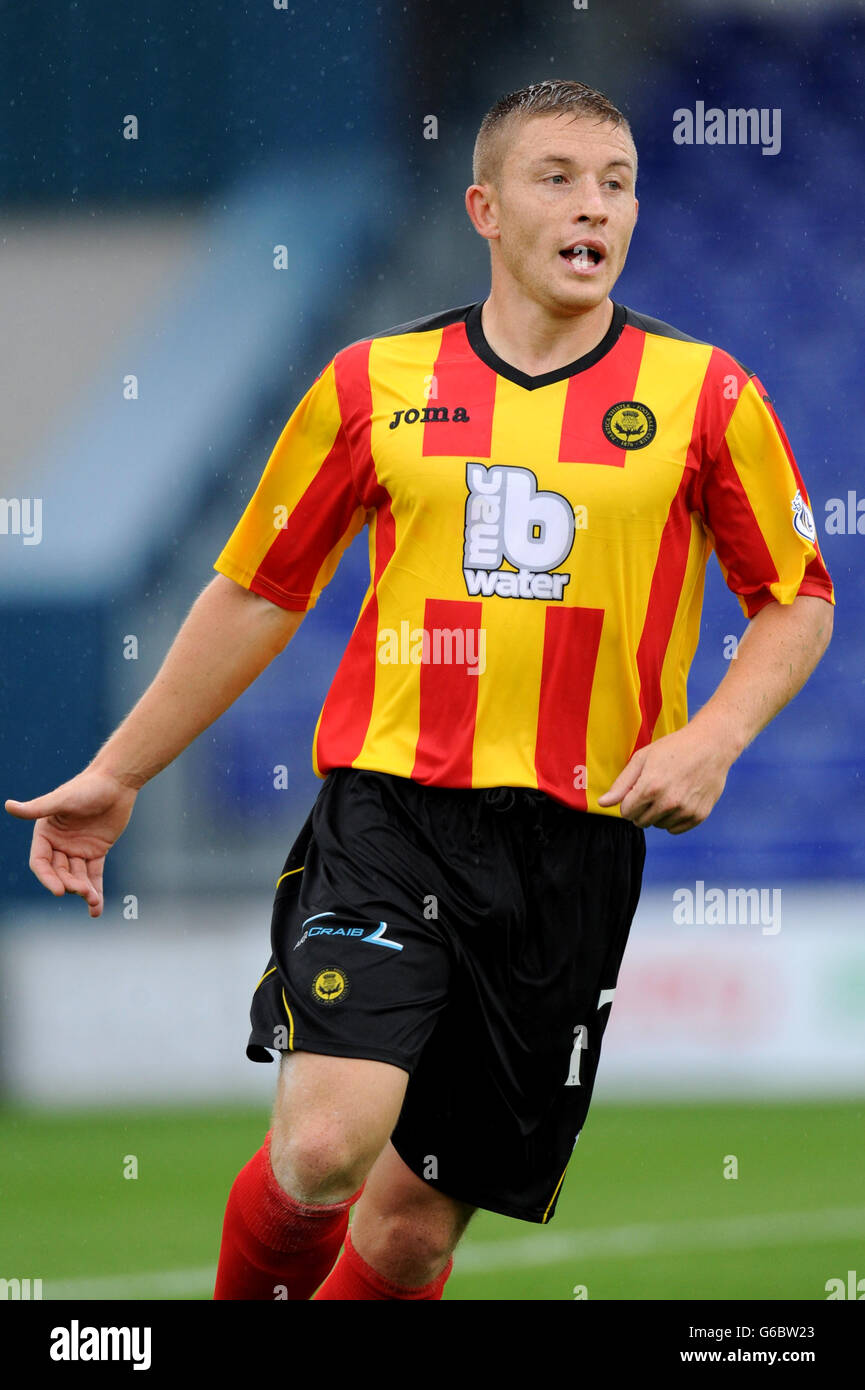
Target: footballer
543,477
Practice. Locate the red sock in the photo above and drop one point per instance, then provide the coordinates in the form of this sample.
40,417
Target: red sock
272,1246
353,1279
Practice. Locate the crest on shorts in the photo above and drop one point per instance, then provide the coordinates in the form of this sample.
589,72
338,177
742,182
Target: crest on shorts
331,985
629,425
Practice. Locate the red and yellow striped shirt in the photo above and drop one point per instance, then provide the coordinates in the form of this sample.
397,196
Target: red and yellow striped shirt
537,545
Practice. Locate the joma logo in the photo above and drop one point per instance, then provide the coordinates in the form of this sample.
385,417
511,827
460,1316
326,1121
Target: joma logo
429,413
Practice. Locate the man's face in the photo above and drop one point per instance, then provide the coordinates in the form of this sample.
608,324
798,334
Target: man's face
564,183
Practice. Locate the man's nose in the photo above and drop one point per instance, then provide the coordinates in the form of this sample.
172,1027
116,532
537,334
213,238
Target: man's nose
589,202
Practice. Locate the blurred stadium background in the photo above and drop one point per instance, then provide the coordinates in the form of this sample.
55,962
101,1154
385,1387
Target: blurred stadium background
271,125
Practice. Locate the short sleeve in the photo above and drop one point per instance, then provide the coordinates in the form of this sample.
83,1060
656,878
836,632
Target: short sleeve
304,512
755,507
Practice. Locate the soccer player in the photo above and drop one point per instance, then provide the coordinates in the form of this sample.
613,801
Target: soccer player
543,476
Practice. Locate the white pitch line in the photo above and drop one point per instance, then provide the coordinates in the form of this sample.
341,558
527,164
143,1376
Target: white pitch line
659,1238
169,1283
536,1250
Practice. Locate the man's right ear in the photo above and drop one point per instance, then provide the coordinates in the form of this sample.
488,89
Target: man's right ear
482,213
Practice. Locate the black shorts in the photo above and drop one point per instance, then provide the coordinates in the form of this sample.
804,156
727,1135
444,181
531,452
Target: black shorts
472,938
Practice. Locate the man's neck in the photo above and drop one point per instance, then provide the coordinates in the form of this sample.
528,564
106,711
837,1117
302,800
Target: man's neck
526,336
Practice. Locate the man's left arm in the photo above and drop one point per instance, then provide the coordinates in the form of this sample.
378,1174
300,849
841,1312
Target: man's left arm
674,782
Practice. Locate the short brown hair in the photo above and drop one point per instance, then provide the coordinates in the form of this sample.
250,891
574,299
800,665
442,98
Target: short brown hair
550,98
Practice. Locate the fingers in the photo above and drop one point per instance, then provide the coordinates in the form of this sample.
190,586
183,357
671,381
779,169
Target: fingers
640,802
61,874
33,810
661,794
641,811
43,870
72,872
42,863
646,807
95,870
650,812
676,823
625,782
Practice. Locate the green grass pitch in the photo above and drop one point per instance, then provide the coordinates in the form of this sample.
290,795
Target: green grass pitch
645,1212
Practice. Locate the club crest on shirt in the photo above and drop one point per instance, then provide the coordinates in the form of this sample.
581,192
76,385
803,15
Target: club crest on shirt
629,425
803,518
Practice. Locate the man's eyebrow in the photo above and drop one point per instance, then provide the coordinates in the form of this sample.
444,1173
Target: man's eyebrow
566,159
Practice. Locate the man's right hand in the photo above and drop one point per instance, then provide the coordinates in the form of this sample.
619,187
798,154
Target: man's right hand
76,825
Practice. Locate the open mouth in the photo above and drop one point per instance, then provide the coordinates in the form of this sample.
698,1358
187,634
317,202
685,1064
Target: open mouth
583,258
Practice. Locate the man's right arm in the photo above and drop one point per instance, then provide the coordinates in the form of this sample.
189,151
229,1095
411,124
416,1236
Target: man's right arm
228,638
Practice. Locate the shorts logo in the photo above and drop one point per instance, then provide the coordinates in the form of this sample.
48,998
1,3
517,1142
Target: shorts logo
313,931
329,986
803,518
508,518
375,938
629,425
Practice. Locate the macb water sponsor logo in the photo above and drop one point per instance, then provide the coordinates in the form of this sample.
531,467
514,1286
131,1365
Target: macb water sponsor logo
509,519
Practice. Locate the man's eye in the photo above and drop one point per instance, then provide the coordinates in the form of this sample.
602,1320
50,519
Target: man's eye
556,176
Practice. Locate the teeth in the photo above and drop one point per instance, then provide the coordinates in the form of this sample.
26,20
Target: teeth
582,257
